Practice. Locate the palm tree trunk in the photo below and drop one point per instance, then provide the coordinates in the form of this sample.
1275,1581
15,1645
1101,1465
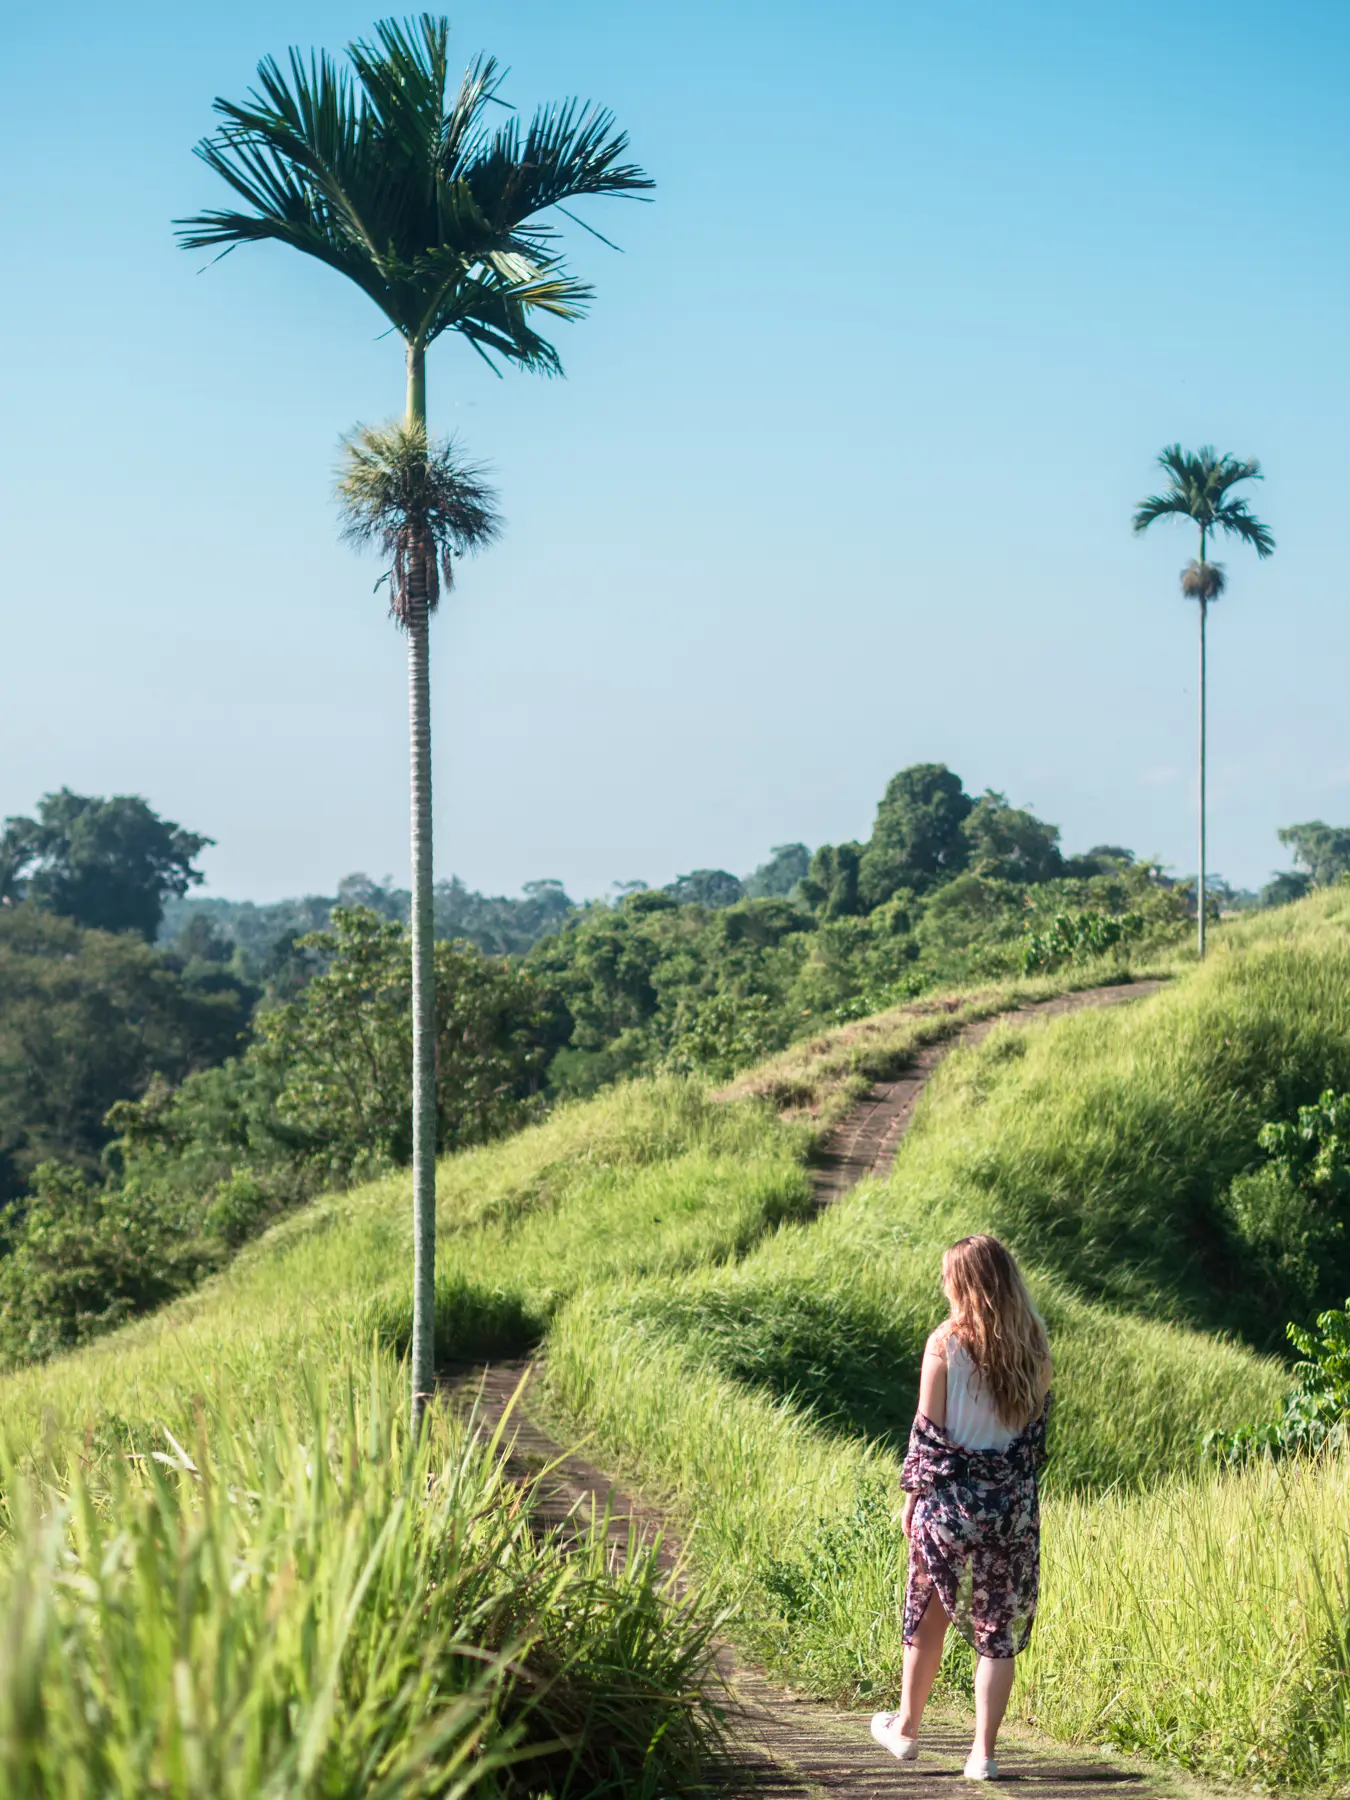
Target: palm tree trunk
423,962
1200,881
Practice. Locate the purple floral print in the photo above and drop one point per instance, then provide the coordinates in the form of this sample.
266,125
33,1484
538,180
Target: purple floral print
975,1536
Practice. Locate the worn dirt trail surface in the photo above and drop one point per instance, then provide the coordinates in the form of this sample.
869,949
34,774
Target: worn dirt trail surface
867,1140
787,1748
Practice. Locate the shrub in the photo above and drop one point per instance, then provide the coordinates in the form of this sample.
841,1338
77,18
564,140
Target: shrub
1289,1215
83,1259
1080,937
1317,1410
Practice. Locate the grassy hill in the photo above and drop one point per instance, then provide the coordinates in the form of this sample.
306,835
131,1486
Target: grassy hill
758,1369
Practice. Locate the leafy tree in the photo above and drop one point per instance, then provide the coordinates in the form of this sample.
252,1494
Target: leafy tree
86,1019
917,841
1199,487
831,886
706,887
1009,844
202,942
392,178
1323,850
775,879
724,1034
1285,887
106,864
345,1046
497,925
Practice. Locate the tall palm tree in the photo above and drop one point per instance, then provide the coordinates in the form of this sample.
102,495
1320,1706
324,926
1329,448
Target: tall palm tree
1198,489
392,176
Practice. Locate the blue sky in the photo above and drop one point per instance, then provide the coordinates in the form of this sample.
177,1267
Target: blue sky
840,478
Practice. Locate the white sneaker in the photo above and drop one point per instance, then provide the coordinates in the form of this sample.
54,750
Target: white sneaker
885,1729
980,1768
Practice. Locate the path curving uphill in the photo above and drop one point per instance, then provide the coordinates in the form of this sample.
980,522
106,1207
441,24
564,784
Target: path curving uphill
788,1748
866,1141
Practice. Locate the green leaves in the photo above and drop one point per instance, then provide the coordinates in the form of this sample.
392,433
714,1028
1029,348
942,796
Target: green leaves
387,174
1201,481
1080,937
1314,1150
343,1048
284,1597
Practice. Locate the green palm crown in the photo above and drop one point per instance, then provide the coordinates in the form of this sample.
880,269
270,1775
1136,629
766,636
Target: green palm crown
386,174
1199,489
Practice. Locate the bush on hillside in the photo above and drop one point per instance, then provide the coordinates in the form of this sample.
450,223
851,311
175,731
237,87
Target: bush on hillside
83,1259
1289,1215
1080,937
1317,1410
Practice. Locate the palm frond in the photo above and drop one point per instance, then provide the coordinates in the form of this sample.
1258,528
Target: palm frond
1159,506
388,173
419,502
1200,480
1203,580
1237,519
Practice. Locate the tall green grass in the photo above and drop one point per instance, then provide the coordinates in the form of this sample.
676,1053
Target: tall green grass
1206,1623
766,1402
652,1177
297,1602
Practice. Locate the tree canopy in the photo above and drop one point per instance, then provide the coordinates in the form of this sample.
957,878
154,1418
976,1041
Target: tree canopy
1323,850
917,840
107,864
86,1019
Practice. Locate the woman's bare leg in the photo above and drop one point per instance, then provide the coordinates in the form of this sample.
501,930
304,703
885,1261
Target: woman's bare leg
993,1686
921,1666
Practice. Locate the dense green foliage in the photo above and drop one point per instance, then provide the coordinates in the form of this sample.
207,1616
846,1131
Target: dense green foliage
948,889
261,937
86,1019
106,864
321,1094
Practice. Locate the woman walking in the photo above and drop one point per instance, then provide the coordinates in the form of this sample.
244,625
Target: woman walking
972,1514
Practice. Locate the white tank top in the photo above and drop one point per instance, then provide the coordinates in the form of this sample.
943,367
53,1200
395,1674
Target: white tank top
971,1419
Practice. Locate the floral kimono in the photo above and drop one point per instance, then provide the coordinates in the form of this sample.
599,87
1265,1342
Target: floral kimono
976,1535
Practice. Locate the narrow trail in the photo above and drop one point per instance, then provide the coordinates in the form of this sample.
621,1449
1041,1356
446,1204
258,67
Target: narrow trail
788,1748
867,1140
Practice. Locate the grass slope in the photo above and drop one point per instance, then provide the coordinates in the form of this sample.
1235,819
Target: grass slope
759,1370
651,1178
1204,1619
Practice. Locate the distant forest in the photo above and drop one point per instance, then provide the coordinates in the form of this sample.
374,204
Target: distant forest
496,924
175,1071
502,925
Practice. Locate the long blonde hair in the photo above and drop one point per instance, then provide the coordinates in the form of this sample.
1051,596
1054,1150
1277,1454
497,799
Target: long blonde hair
994,1319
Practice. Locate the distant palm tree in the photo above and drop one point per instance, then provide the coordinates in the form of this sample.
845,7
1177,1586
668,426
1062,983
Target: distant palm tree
393,178
1199,487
